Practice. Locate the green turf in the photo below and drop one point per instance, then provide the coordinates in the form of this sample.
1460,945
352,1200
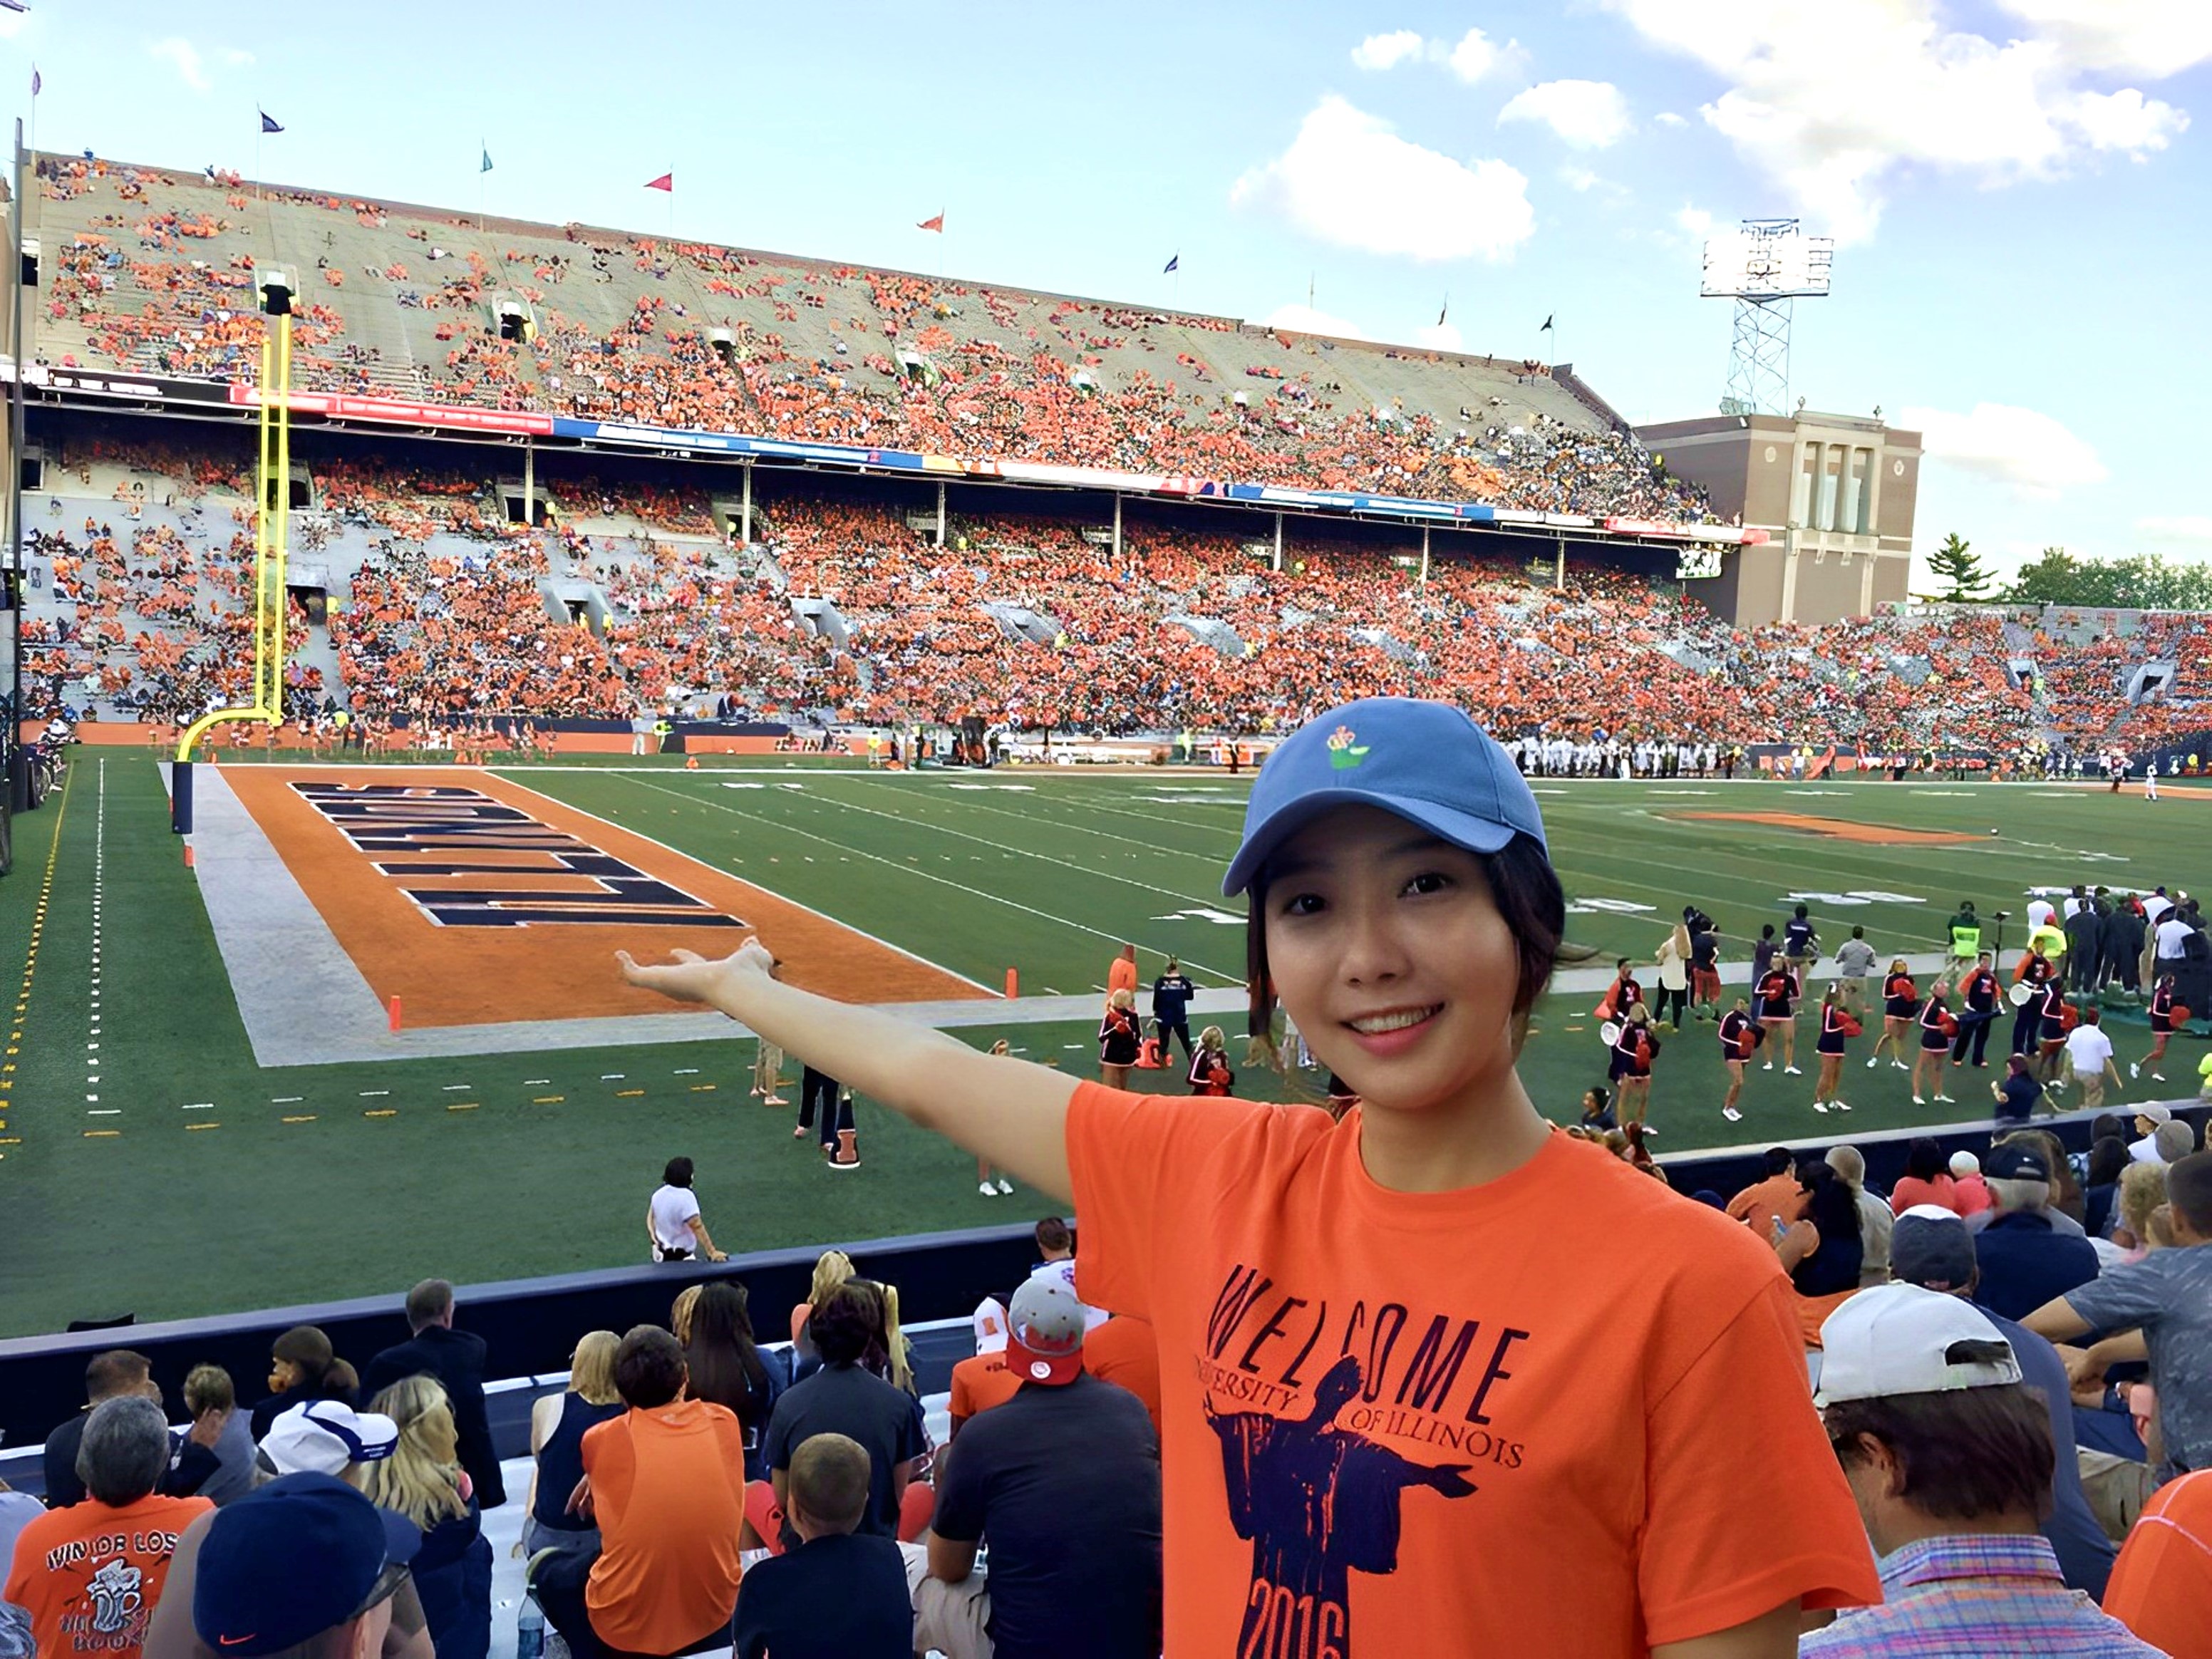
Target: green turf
164,1220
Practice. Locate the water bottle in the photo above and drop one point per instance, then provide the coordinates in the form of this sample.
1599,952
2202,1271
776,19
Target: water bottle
530,1631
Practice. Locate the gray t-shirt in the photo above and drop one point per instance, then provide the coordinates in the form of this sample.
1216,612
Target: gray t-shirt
2169,1294
1854,958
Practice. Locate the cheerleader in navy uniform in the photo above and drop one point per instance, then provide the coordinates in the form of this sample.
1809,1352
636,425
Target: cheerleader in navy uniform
1209,1064
1937,1028
1899,1003
1739,1033
2161,1027
1839,1025
1778,992
1634,1051
2052,1024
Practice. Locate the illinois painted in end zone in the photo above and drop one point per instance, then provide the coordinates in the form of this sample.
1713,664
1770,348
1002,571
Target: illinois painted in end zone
479,901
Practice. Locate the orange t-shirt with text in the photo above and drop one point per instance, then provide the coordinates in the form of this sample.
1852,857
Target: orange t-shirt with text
979,1382
1443,1423
90,1574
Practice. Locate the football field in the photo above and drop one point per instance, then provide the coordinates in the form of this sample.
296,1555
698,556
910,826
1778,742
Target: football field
205,1107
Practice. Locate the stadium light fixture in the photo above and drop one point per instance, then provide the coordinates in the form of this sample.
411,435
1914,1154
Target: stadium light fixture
1764,267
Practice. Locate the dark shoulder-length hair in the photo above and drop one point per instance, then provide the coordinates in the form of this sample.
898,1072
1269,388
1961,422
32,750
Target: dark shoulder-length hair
1529,899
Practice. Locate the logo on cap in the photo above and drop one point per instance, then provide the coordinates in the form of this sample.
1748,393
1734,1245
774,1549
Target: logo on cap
1345,749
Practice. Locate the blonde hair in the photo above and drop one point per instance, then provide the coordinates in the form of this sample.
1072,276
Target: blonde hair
679,1314
421,1479
999,1046
2158,1229
831,1269
893,1343
591,1371
1124,998
1211,1038
2143,1189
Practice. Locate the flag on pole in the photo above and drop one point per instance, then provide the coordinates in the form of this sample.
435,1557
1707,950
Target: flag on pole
1546,328
269,122
14,5
935,223
486,166
37,85
1174,263
1443,310
666,181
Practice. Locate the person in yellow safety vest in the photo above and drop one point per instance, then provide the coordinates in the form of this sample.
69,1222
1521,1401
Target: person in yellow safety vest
875,750
1965,933
1183,750
2053,939
661,729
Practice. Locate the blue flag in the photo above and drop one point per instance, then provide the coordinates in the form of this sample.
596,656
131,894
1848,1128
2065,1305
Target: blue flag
1175,261
269,122
486,167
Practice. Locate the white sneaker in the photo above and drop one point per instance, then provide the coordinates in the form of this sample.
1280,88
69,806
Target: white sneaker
987,1189
1821,1106
1731,1114
1005,1185
2158,1077
1768,1066
1842,1105
1791,1070
1948,1100
1898,1066
1875,1062
2134,1070
1917,1101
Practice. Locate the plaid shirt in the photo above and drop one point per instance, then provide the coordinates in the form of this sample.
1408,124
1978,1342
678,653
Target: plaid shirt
1972,1596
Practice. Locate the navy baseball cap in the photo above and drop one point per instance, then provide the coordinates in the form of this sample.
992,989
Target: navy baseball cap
289,1560
1428,763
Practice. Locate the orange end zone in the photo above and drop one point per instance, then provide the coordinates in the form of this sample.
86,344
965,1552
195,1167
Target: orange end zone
1878,835
476,900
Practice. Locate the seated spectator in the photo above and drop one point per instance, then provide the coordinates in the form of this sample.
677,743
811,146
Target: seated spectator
674,1228
120,1374
2100,1186
2025,1260
1074,1541
728,1368
423,1480
832,1268
1927,1179
1950,1458
1778,1196
324,1437
2150,1118
844,1398
300,1364
1934,1251
2158,1309
1970,1192
983,1381
1125,1351
2141,1195
2161,1586
457,1358
666,1482
17,1511
832,1595
558,1423
210,1394
1875,1218
90,1574
1823,1252
303,1566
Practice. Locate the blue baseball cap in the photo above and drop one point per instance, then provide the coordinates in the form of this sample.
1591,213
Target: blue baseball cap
1428,763
289,1560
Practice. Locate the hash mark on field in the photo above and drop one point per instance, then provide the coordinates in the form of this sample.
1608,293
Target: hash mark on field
461,1106
456,1088
1075,1045
702,1088
304,1117
101,1134
375,1094
611,1077
535,1082
278,1100
687,1071
104,1111
203,1126
547,1100
627,1094
381,1111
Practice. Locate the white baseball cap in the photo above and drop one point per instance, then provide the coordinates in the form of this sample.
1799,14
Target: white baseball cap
324,1436
1901,1339
990,1322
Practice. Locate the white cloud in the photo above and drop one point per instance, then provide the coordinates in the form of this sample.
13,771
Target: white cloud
2033,453
2194,531
1693,222
1471,57
185,58
1577,180
236,58
1381,51
1833,99
1304,320
1587,114
1349,179
1667,117
1440,336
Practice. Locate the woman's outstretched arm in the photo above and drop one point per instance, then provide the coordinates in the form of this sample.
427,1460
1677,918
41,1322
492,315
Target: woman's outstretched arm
1007,1110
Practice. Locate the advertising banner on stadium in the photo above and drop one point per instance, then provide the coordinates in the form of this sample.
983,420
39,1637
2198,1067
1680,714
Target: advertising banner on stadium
338,405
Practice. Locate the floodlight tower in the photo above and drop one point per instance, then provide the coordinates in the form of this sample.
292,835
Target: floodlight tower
1763,268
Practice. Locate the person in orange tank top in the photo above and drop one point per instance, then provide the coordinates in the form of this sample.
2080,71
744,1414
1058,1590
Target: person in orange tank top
1402,1409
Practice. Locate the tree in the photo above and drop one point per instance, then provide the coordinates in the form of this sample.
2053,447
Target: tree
2141,581
2059,578
1965,581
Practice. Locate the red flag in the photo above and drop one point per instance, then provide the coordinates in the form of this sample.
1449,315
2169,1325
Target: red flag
666,181
936,224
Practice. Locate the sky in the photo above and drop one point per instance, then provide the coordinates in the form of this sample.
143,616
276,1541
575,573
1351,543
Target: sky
2019,191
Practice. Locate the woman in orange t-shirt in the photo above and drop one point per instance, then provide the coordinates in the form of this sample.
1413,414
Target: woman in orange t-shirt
1402,1408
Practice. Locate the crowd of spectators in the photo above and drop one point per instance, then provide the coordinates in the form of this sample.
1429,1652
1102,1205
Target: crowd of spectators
624,599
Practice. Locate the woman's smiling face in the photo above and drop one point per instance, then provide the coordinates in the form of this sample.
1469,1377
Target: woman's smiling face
1389,953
